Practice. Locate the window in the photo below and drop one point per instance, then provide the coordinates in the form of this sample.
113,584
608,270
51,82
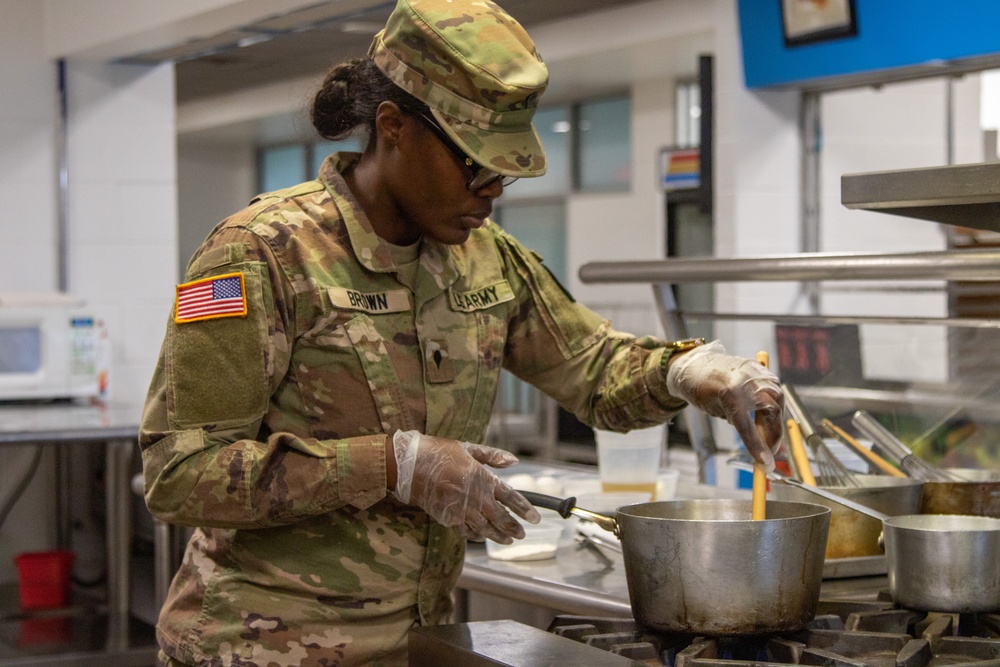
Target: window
605,140
688,114
291,164
322,149
541,227
600,130
553,127
282,166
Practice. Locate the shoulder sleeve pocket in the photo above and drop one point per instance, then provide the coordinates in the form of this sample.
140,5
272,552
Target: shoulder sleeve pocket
216,368
573,327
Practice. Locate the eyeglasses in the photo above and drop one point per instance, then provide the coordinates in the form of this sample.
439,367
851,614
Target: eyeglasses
480,177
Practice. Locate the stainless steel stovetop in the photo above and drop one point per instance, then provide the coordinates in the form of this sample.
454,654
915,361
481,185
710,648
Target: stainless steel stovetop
844,633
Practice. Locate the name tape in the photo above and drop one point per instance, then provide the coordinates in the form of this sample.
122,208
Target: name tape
389,301
480,299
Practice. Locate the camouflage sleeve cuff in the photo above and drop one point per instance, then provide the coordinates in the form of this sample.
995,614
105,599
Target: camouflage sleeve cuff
656,381
361,471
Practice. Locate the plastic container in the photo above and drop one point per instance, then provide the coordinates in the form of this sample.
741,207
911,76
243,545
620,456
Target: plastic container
580,484
547,484
630,461
666,484
541,541
44,578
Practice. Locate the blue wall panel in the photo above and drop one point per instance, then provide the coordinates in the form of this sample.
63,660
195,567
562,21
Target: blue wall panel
891,34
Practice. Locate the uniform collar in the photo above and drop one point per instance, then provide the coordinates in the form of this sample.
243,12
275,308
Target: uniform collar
372,252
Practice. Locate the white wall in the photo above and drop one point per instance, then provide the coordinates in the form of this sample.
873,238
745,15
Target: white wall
214,180
123,210
629,225
757,185
897,126
28,171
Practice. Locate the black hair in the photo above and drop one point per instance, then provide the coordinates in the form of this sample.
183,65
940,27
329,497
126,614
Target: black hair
350,95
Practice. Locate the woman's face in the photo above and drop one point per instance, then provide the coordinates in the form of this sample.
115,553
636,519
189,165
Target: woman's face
428,185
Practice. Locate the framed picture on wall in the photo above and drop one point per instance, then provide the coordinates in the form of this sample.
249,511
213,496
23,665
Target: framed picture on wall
809,21
680,169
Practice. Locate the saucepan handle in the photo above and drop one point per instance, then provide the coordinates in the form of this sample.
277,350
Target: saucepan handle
832,497
564,506
567,506
815,490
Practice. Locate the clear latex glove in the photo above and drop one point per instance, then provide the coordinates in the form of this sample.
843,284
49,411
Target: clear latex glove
448,480
732,388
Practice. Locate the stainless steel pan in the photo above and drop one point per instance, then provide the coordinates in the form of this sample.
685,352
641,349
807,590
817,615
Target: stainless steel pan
946,490
935,562
705,567
854,535
974,492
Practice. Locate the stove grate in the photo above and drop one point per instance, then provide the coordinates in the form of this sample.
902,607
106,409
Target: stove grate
844,633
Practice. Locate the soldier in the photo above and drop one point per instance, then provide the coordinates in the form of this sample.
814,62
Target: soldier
334,353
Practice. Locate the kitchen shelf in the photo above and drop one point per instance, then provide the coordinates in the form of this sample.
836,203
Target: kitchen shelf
972,386
964,195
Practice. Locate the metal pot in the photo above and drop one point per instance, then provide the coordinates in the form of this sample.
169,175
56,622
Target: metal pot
704,567
936,562
853,534
978,493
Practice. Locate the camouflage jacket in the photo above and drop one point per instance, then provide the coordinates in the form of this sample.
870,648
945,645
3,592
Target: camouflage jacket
265,428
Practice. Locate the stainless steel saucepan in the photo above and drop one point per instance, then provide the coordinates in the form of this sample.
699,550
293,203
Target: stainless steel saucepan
705,567
935,562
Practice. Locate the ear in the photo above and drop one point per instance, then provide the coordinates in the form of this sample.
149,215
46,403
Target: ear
389,120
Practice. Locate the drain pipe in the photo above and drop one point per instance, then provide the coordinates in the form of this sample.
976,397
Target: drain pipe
62,216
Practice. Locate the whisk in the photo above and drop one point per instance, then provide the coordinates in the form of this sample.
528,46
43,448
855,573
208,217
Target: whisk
871,457
832,470
914,466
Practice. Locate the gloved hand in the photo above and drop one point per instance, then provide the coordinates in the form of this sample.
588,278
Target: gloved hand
733,388
447,479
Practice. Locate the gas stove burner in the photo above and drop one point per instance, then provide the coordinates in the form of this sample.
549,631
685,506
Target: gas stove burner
843,634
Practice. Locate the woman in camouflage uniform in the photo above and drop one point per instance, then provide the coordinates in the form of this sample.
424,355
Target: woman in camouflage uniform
334,353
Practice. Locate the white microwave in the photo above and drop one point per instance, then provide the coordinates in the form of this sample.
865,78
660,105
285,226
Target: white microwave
50,348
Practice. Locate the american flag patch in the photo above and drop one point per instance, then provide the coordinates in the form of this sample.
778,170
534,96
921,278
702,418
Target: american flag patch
220,296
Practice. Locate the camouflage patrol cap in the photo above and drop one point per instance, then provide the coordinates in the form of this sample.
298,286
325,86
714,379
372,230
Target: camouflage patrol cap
477,70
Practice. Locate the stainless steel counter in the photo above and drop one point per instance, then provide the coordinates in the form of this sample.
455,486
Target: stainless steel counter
581,579
65,425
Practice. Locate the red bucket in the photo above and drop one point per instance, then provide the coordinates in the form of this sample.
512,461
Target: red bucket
44,578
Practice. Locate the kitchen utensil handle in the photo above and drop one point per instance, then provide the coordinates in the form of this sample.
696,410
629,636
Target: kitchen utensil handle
567,506
832,497
758,510
798,448
798,412
564,506
861,450
869,426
